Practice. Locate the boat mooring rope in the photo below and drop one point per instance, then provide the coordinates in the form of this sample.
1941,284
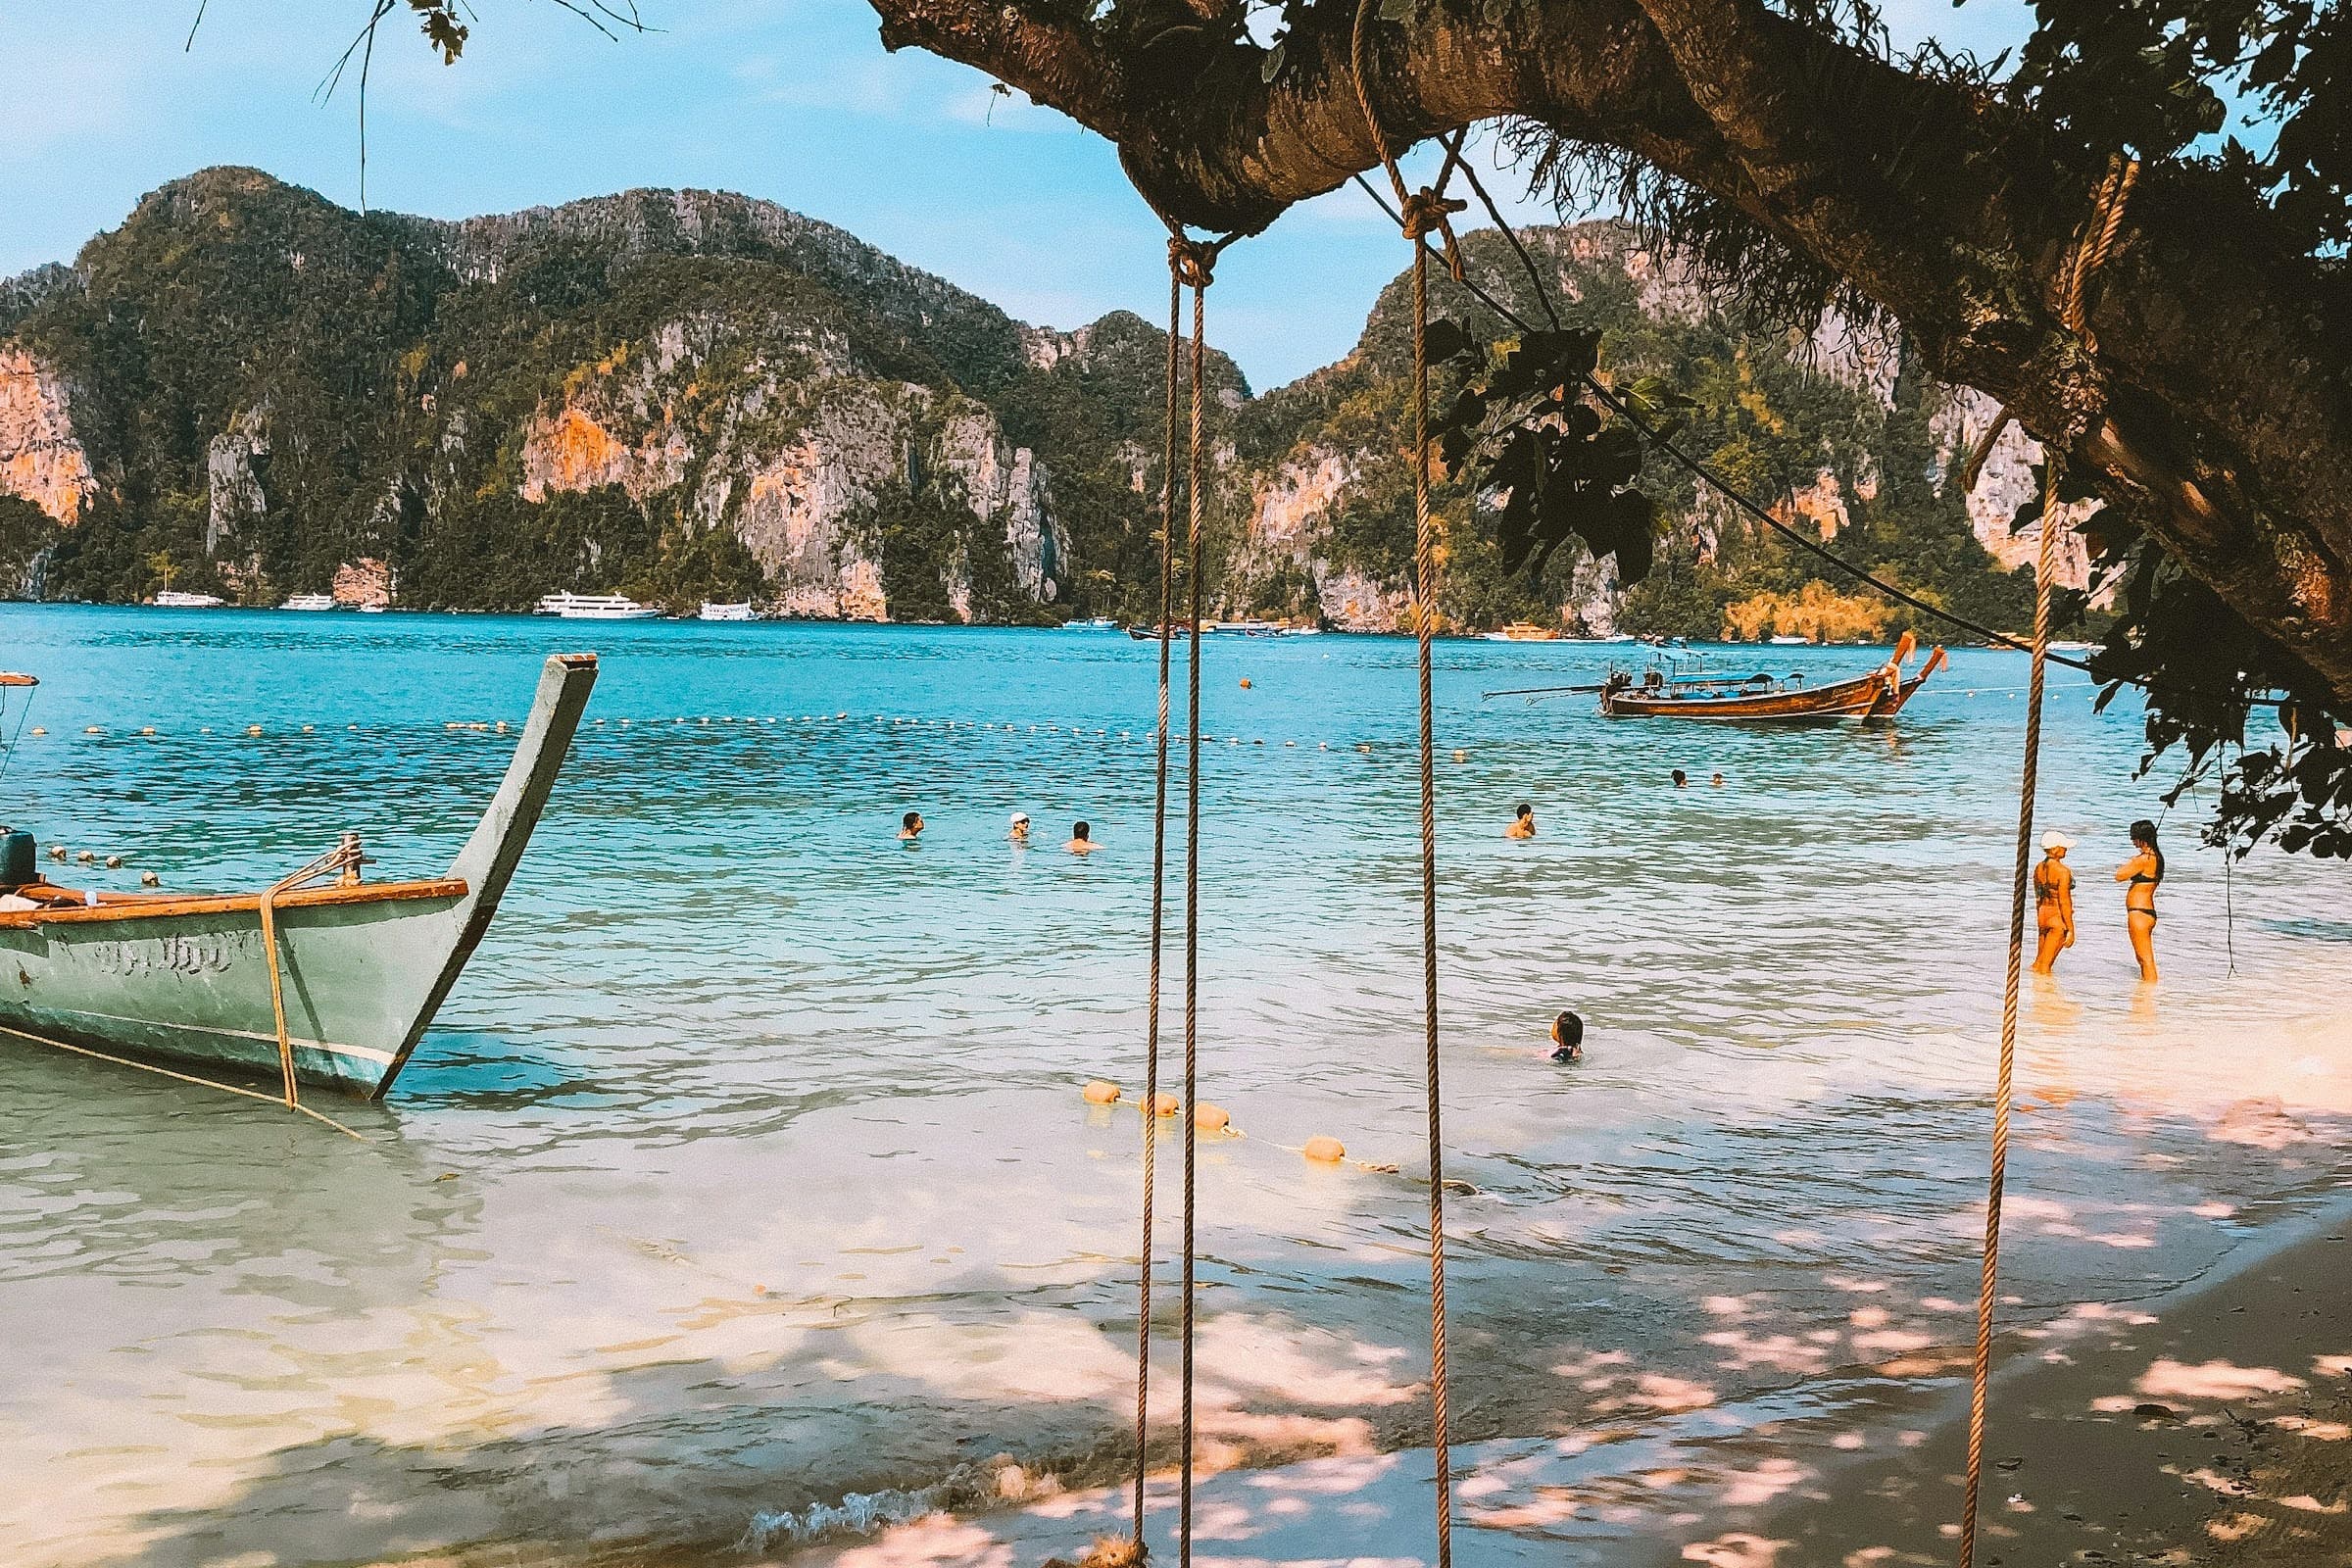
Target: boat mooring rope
1420,212
185,1078
2091,246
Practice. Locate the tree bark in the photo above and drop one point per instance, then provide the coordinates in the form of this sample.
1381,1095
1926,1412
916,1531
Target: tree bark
2217,408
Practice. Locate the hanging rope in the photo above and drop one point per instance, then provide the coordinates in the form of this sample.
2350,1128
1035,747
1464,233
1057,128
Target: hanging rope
1420,212
2091,247
1191,264
1159,861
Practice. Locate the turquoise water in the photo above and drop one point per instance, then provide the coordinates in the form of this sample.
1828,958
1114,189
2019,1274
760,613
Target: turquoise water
746,1175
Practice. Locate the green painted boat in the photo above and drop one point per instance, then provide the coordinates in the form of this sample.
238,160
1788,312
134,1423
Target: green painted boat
360,968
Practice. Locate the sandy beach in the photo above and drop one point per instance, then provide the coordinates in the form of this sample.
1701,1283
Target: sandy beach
2210,1425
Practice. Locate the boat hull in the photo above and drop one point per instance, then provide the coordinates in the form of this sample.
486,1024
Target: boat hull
194,989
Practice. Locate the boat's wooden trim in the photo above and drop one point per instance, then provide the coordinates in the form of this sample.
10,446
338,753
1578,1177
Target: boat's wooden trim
9,677
117,906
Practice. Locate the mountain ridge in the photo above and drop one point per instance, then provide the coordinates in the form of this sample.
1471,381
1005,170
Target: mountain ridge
247,387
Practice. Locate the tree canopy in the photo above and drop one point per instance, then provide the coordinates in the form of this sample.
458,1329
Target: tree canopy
1800,158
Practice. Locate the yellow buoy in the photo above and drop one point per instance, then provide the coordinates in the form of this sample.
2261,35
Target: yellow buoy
1210,1118
253,729
148,879
1099,1091
1165,1104
1461,757
113,862
1325,1149
38,730
147,729
92,729
312,729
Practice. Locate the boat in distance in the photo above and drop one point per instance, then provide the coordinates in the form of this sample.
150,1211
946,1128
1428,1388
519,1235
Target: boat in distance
360,968
1663,693
593,606
718,612
174,599
1091,623
310,602
1522,631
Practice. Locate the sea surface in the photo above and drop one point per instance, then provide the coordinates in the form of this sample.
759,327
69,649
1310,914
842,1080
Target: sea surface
744,1193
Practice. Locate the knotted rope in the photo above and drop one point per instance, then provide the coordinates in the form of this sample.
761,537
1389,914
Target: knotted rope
1421,211
2091,245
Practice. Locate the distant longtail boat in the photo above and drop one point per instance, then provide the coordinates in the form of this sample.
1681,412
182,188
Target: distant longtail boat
330,986
1881,694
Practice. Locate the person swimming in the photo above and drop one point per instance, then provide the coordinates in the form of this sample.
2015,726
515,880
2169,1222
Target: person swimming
1567,1037
1019,831
1082,840
1523,823
1681,780
2053,902
1716,781
2141,875
910,827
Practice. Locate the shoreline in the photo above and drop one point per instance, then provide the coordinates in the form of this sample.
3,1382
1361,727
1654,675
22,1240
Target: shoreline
2209,1424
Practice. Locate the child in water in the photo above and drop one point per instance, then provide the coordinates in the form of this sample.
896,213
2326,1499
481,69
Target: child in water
1567,1037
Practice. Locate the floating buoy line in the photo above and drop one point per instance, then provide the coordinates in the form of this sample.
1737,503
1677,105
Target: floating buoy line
1214,1119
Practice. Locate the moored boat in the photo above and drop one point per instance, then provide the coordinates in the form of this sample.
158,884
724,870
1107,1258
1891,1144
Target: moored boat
1763,698
310,601
717,611
360,968
1091,623
1523,632
593,606
174,599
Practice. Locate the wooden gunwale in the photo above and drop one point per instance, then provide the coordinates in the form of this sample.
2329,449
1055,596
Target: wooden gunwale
119,906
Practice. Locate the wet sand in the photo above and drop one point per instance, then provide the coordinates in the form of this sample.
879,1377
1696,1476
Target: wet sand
2210,1425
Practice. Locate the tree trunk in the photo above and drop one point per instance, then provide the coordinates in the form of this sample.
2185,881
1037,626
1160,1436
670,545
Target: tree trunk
2216,409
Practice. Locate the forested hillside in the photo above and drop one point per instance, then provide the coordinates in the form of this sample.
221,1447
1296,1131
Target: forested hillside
682,395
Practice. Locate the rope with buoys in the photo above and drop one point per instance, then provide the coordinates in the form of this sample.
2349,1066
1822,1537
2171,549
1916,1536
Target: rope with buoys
2091,245
1420,212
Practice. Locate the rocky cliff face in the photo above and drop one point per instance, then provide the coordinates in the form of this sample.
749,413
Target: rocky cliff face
41,458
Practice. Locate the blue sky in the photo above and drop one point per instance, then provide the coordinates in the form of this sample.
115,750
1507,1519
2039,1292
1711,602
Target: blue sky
790,100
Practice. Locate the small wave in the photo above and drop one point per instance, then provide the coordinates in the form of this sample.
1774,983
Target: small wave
862,1514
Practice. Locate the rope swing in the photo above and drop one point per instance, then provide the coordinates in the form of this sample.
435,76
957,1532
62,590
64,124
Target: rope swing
2091,246
1421,211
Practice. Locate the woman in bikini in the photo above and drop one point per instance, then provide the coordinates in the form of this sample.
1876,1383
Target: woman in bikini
2053,902
2140,876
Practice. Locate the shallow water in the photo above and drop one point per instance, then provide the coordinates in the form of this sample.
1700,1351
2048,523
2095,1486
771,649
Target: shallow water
745,1169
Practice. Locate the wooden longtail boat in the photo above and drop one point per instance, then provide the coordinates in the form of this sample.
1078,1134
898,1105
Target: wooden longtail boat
360,968
1881,694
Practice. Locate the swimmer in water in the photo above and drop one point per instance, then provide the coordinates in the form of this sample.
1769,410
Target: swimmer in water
1567,1037
1020,833
2053,902
1681,780
1716,781
1081,840
1523,823
910,827
2140,876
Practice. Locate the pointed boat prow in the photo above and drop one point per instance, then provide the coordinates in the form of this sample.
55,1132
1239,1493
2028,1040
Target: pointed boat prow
486,864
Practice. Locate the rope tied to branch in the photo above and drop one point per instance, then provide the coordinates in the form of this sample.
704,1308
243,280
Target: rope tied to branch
1419,212
2093,243
1193,264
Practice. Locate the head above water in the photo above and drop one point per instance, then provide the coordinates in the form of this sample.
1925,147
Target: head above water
1680,778
1523,811
1081,831
912,821
1567,1029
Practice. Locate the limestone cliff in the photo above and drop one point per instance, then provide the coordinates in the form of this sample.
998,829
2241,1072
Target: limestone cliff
41,458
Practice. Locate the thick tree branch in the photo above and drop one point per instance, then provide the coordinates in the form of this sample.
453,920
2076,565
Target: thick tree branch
2217,408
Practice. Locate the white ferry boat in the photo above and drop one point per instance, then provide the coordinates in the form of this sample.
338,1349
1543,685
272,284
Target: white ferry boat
595,606
1092,623
712,611
1792,642
310,601
174,599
